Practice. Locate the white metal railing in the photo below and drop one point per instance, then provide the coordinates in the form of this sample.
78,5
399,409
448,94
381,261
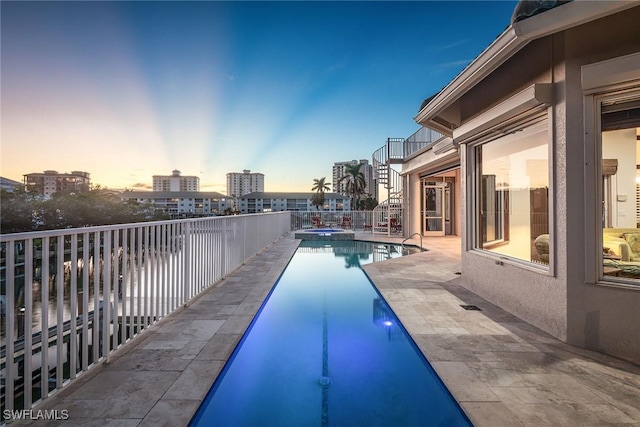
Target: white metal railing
388,218
82,293
353,220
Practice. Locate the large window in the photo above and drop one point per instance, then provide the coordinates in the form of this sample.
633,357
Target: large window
620,194
512,193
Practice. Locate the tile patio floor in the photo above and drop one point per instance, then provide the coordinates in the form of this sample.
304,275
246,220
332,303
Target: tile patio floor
503,371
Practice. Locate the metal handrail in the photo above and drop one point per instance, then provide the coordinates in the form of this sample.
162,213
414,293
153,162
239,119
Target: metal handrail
421,248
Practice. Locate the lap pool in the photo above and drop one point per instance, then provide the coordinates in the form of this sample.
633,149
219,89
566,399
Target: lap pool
326,350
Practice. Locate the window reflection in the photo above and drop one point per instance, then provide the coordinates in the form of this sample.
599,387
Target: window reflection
512,209
620,195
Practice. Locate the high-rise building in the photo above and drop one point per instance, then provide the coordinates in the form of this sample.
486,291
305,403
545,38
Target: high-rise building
175,182
365,168
239,184
51,181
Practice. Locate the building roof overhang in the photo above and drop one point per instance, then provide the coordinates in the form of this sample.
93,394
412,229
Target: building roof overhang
506,45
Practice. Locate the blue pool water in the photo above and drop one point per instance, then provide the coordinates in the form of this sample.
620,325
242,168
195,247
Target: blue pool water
326,350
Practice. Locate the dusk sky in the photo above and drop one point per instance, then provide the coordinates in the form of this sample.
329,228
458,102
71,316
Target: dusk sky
127,90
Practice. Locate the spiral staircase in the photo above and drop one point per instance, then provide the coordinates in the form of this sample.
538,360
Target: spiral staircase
389,215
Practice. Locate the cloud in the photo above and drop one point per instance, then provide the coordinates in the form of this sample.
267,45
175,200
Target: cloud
461,62
450,45
334,67
141,186
216,186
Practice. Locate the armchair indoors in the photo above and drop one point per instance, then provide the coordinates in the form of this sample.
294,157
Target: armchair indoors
621,251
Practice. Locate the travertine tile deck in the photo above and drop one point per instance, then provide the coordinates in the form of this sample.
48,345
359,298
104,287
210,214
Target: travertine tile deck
503,371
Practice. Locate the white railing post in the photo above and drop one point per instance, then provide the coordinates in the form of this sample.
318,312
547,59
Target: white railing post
28,329
59,309
10,326
73,308
186,263
106,335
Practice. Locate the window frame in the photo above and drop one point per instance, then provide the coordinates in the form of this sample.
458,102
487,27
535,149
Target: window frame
595,210
541,116
615,78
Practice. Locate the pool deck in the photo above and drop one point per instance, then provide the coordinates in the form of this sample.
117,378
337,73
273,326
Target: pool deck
503,371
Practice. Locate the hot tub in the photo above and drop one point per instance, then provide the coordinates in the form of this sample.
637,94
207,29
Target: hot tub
325,234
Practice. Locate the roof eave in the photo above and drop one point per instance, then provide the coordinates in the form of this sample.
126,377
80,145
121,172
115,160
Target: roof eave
513,39
494,55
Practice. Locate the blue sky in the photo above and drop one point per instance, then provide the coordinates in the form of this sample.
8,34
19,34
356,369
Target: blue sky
127,90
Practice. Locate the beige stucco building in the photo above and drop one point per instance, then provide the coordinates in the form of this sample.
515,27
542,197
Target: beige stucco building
50,182
176,182
537,172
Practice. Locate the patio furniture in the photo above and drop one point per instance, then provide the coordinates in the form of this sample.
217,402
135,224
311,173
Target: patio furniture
317,222
345,222
396,227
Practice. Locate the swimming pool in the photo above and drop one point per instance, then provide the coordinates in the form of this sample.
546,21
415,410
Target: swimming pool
325,349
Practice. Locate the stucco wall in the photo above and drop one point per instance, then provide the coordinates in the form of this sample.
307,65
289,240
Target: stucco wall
538,297
599,317
596,316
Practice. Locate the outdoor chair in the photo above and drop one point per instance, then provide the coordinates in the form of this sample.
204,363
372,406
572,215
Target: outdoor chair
317,222
395,225
345,222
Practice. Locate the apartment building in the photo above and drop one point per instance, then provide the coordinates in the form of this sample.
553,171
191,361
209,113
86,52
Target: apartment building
239,184
366,169
258,202
175,182
188,203
49,182
9,185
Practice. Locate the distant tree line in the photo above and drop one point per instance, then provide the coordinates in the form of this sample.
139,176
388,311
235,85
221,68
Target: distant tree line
21,211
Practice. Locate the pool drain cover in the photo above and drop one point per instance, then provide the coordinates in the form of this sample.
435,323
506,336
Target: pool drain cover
324,381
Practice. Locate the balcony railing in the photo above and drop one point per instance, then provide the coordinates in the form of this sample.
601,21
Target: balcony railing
353,220
71,297
384,219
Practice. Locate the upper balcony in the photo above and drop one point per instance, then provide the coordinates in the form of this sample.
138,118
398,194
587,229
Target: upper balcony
397,150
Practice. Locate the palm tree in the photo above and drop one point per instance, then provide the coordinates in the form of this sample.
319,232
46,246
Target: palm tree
354,182
317,200
319,186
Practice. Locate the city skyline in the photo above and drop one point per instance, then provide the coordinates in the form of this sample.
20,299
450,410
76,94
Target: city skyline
128,90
